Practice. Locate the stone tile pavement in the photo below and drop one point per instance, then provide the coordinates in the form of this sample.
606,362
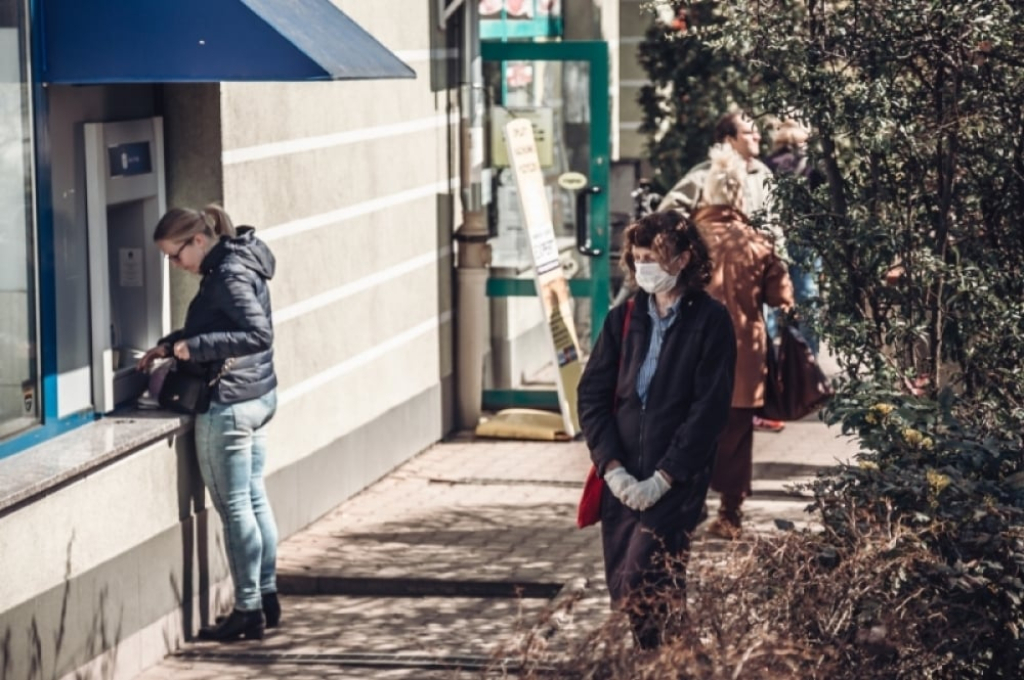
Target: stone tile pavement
453,558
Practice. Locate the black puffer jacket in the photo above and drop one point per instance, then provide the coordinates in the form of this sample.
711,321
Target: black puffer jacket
230,318
687,401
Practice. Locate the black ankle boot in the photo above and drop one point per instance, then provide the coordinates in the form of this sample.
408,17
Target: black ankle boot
271,609
239,624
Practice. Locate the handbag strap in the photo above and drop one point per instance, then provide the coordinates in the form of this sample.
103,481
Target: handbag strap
622,350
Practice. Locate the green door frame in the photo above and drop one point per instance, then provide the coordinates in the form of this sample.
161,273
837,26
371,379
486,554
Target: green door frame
595,288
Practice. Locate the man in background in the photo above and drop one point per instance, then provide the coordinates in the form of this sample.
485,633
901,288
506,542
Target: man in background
737,130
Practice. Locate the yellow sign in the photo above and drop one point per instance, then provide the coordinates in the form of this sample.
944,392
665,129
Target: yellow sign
552,286
543,122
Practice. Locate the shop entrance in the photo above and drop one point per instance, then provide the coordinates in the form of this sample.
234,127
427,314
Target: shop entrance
562,89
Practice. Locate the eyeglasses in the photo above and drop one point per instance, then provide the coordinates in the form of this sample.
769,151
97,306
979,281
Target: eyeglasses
177,256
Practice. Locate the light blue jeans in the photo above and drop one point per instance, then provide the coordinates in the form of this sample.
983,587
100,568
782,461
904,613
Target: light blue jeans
231,444
804,273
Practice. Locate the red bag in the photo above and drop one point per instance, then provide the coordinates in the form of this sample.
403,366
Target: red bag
589,510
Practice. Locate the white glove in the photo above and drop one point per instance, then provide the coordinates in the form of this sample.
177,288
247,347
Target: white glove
645,494
618,481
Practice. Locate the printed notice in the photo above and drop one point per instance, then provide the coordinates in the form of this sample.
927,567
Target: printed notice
552,286
129,267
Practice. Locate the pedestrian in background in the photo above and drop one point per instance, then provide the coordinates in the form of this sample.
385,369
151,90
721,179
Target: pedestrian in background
740,133
737,131
229,320
789,157
747,275
652,403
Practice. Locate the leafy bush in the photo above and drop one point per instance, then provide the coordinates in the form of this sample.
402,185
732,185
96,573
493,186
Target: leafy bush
690,86
918,120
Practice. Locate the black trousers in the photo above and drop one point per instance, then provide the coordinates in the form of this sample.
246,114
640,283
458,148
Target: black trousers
734,462
645,568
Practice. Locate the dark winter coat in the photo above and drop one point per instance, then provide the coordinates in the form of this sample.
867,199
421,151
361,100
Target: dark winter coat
230,318
687,406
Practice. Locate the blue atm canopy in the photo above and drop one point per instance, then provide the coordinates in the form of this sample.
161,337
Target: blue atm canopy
174,41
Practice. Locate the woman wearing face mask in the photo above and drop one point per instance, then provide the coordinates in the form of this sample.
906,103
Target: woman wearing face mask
230,319
652,404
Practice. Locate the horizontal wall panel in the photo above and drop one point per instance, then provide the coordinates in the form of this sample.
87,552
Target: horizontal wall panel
313,342
398,24
634,20
333,140
345,253
282,189
631,110
314,419
634,145
261,113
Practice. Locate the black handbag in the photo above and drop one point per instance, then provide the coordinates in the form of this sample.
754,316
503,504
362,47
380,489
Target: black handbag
795,386
188,387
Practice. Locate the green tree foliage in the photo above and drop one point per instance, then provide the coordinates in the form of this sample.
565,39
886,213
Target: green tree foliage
918,116
691,85
917,112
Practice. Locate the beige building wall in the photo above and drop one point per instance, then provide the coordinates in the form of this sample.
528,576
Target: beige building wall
351,184
634,19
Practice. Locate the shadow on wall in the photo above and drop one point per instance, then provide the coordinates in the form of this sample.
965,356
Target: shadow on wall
47,645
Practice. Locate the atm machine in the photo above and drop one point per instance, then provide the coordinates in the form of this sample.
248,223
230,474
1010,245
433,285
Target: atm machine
128,276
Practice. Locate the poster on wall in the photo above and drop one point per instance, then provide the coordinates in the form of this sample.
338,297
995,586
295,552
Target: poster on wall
552,286
543,121
520,8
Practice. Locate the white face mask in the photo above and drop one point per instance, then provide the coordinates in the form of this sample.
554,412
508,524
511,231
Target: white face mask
653,279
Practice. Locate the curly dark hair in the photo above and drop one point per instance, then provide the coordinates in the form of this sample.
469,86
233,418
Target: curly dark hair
669,234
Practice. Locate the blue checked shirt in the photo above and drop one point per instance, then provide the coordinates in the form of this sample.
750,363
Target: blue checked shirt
659,327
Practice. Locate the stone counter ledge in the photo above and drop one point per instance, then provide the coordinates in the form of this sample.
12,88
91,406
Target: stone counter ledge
49,465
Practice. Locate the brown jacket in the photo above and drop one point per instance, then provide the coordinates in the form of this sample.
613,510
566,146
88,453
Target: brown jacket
747,274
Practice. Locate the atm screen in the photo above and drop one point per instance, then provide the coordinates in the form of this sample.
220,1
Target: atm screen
129,159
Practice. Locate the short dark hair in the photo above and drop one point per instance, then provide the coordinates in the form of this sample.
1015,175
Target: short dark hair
669,234
728,126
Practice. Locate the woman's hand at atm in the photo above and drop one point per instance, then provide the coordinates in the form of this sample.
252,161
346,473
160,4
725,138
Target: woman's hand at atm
158,352
181,350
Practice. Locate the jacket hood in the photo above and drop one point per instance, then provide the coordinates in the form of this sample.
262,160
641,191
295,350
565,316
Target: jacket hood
246,249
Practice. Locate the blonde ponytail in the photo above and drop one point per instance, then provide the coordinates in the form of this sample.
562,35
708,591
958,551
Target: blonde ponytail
218,220
179,224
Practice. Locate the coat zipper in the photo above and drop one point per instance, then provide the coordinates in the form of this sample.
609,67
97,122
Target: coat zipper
643,406
643,415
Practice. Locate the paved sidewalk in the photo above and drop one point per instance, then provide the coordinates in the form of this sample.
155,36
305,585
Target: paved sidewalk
455,555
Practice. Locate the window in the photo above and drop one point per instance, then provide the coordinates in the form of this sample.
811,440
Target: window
504,19
19,388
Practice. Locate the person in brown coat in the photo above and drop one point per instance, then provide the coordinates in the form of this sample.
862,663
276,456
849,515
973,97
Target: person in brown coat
747,275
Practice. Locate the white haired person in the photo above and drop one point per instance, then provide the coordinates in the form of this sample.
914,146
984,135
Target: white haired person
747,275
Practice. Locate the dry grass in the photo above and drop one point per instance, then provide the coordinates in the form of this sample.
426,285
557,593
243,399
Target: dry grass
791,605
